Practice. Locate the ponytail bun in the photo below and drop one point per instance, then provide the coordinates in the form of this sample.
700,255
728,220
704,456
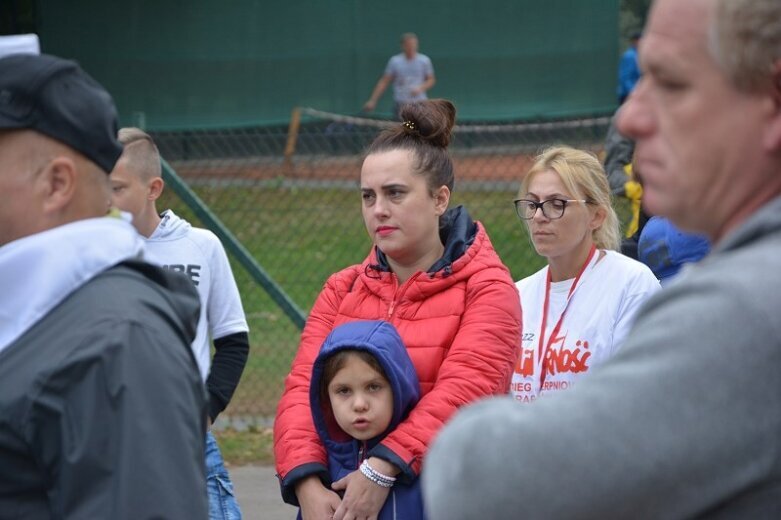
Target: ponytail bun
425,130
432,120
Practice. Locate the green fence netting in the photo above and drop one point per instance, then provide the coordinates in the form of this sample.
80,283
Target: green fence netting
290,196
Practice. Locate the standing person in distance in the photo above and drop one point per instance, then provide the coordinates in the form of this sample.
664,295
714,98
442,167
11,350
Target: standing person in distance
174,244
411,73
579,308
435,276
628,69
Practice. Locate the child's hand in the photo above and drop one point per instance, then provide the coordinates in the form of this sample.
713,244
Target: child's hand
317,502
362,500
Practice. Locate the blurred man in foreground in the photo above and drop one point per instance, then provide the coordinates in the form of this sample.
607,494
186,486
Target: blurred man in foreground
686,420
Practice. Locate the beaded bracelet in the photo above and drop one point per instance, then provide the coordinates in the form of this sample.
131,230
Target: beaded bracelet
383,476
375,476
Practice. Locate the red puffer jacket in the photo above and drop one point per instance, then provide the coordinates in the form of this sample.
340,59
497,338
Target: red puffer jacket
460,322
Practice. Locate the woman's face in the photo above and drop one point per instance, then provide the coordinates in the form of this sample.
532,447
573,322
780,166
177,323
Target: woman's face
400,213
556,238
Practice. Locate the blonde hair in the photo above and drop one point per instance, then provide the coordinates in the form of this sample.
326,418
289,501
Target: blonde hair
141,152
745,40
583,176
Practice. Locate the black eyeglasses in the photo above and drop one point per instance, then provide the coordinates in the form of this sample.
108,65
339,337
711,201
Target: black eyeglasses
551,208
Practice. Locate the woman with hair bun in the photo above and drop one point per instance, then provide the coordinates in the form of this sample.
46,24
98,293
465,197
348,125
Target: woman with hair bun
578,308
434,275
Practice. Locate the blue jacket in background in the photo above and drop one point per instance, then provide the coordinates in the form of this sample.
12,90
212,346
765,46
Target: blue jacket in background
345,454
628,73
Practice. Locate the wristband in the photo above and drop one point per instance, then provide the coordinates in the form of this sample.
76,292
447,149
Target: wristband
375,476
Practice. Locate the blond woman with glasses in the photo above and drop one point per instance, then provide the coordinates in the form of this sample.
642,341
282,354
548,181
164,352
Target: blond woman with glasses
577,309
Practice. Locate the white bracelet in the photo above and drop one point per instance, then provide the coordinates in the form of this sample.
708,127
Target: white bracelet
381,475
367,472
375,476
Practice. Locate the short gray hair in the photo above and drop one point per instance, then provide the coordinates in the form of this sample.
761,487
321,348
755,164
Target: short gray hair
745,39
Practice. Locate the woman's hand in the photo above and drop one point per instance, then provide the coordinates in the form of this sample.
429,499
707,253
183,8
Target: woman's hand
317,501
362,500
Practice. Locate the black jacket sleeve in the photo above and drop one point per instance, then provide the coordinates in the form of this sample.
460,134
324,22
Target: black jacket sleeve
118,430
230,356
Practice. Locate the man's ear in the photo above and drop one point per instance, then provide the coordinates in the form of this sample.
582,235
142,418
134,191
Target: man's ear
156,186
772,139
57,183
441,199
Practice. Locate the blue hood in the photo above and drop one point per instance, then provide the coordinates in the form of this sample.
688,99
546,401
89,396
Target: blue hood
380,339
344,453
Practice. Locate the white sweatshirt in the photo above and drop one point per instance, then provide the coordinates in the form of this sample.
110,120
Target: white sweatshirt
199,254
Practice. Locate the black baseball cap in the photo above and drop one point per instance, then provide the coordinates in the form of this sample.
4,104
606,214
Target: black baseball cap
57,98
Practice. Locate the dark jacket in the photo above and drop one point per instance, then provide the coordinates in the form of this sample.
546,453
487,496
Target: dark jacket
380,339
102,408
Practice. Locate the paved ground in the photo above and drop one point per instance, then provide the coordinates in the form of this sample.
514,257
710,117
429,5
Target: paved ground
257,490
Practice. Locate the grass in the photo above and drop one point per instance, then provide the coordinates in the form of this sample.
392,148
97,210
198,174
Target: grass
300,236
251,446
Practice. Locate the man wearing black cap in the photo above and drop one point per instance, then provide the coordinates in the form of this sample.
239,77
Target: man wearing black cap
102,409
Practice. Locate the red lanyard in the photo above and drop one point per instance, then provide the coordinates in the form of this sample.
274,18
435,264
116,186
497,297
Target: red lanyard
543,349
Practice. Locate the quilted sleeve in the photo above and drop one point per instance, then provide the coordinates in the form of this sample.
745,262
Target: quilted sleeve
479,363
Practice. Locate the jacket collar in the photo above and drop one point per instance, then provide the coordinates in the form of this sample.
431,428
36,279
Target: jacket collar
39,271
764,221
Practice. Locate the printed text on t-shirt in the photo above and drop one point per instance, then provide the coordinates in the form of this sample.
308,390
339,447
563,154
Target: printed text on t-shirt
191,270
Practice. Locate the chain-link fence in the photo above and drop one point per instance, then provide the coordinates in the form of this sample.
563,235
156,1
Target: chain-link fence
289,194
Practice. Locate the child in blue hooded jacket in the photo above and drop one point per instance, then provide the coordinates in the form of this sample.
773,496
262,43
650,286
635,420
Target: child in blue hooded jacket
363,385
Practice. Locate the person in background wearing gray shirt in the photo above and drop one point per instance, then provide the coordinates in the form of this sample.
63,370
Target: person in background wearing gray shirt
685,421
412,75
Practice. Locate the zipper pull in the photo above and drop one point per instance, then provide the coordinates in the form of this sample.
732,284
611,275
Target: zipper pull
361,453
390,309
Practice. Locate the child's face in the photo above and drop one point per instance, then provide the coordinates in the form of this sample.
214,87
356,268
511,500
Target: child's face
361,399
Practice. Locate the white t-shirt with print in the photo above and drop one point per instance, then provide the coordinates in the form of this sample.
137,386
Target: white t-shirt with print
598,316
199,254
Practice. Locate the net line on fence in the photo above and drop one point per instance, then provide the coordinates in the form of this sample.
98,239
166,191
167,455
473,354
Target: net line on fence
317,135
314,132
548,126
325,147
